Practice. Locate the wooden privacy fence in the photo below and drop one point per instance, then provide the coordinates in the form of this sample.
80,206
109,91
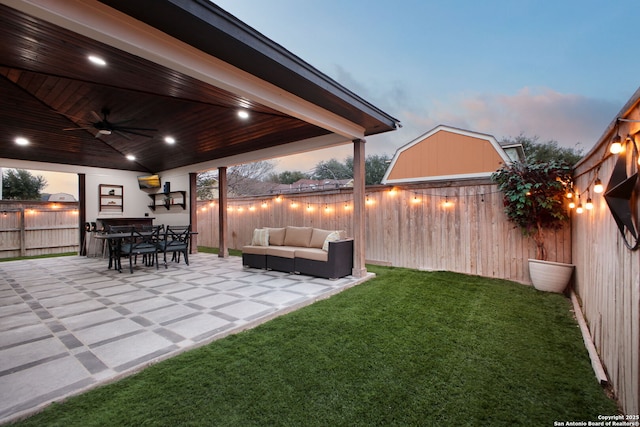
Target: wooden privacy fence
457,226
38,228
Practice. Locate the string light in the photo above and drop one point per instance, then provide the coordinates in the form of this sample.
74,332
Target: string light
597,186
589,204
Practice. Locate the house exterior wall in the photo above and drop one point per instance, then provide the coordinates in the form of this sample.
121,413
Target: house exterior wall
445,154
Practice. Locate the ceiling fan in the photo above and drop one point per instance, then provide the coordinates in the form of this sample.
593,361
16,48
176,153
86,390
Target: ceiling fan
104,127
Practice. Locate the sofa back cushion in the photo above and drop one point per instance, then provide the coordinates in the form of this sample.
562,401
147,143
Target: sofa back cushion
318,237
276,236
298,236
260,237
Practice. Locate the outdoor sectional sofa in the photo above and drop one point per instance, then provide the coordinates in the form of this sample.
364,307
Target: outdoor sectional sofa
300,250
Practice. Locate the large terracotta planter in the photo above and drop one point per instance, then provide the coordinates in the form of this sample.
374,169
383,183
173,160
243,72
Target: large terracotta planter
550,276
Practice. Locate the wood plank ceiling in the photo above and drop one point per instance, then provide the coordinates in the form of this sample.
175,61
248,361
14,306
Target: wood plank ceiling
48,85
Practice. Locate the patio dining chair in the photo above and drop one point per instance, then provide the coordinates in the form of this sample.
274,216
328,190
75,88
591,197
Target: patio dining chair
142,243
114,244
176,241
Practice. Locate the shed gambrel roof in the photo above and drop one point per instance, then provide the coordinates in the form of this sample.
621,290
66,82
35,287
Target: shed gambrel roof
446,153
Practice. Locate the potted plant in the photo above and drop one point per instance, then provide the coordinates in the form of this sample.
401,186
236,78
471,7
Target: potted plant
534,200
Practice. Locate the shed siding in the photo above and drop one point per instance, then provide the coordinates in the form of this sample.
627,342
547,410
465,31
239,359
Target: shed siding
445,153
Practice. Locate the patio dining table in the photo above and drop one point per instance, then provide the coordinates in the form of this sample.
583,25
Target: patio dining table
114,243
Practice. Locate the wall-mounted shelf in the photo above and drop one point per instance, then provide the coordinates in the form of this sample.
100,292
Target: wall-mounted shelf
172,198
111,198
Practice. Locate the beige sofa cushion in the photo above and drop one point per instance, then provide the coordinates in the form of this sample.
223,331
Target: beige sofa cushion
298,236
318,237
313,254
260,237
282,251
276,236
332,237
254,250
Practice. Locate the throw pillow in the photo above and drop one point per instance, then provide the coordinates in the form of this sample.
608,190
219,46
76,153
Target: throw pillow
332,237
260,237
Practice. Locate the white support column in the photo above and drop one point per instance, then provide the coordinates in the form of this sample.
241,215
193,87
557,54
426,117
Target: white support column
359,268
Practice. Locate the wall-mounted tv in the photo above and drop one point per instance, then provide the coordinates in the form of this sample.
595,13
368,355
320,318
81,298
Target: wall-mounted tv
149,181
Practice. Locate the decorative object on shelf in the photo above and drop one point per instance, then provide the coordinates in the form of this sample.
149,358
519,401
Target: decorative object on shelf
173,198
111,198
534,200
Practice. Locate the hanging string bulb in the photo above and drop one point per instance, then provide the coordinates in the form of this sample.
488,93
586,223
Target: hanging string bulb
597,186
616,142
589,205
569,194
579,208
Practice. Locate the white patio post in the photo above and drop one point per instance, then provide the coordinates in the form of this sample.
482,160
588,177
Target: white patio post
359,268
222,212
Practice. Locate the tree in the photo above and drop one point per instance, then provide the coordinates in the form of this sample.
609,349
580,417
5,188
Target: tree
207,185
332,169
375,167
544,152
19,184
242,179
287,177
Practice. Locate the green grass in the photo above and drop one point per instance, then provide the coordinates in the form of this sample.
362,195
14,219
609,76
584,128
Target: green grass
406,348
209,250
17,258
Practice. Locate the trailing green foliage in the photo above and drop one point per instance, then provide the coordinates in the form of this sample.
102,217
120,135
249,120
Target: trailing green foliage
406,348
534,197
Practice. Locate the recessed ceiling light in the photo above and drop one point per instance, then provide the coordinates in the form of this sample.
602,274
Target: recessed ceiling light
97,60
169,140
131,157
22,141
243,114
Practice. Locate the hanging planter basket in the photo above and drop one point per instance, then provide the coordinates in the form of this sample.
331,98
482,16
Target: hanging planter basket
550,276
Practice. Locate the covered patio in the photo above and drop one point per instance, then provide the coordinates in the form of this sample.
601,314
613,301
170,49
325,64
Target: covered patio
166,100
114,89
68,324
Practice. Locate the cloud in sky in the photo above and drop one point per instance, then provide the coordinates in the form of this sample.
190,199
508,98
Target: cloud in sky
573,120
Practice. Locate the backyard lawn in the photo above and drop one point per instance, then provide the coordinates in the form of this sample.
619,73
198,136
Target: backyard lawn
406,348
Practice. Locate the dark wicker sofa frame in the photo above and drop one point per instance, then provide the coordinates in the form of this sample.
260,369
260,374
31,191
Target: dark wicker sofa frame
338,264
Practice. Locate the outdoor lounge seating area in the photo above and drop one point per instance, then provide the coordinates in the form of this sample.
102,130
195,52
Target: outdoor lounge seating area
300,250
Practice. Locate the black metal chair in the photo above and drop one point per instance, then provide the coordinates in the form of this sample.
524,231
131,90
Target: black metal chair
114,245
140,242
176,241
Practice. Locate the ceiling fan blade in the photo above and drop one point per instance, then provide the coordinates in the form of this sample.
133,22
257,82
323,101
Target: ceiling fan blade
122,134
69,116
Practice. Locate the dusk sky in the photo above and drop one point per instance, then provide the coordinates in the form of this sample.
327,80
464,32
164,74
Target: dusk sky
560,70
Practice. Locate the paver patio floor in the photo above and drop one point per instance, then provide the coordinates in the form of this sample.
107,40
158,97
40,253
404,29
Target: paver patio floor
69,324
